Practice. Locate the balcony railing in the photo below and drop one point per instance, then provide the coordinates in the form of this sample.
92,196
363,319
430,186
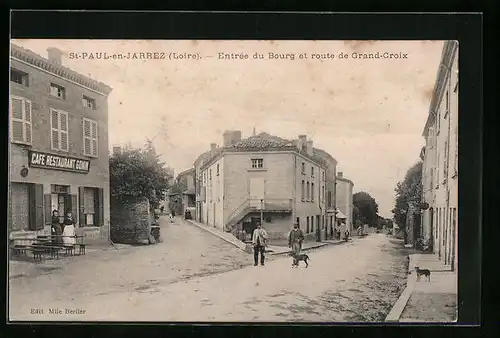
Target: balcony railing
255,205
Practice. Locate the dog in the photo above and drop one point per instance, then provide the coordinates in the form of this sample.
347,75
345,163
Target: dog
298,258
425,272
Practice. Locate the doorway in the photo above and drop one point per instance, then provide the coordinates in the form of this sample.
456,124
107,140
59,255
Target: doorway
60,200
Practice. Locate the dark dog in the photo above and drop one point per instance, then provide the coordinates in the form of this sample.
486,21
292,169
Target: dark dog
425,272
298,258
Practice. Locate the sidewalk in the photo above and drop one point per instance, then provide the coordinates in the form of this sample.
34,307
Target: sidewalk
275,249
422,301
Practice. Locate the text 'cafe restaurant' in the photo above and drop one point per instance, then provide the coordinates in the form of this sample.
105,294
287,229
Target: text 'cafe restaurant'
43,182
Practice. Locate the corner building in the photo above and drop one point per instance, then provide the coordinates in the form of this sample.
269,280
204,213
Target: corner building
285,179
58,149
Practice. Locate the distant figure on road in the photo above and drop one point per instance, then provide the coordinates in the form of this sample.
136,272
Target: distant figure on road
259,239
162,208
295,239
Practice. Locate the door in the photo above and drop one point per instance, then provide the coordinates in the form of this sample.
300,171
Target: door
256,191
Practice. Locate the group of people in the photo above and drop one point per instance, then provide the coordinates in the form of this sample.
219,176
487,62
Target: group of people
259,242
63,232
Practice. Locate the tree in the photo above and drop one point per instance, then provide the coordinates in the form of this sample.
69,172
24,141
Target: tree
138,172
408,192
366,207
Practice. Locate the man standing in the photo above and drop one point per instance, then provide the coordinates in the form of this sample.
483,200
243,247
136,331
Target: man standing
259,239
295,239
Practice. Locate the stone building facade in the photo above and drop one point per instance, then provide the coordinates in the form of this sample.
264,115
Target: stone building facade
285,179
440,166
58,149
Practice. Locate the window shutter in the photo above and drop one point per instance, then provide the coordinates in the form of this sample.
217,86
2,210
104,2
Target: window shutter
27,119
39,206
17,120
55,128
81,205
48,208
32,207
94,138
100,213
86,137
64,131
74,208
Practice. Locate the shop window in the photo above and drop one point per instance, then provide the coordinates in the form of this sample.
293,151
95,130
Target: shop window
91,206
26,203
21,122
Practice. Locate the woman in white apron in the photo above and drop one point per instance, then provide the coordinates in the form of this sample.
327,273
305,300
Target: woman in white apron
69,230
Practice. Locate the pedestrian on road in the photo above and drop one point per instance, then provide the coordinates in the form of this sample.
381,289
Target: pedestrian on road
69,230
56,228
259,240
295,239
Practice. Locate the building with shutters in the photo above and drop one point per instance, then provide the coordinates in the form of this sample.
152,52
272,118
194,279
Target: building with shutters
58,149
439,218
288,180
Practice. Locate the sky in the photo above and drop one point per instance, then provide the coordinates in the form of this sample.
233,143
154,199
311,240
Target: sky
369,114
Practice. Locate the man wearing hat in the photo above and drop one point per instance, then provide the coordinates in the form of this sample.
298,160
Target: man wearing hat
259,239
295,239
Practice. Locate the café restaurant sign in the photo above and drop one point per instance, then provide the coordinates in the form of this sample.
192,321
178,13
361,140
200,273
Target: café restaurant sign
49,161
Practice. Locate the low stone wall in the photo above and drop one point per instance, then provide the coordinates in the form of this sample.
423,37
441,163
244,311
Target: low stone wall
130,221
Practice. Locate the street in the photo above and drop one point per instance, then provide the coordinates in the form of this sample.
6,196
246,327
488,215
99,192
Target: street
195,276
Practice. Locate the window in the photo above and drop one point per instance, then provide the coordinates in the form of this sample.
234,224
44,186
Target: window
90,137
329,201
437,171
298,221
322,198
303,190
455,164
210,174
59,130
21,128
19,77
447,104
303,168
308,192
312,171
312,192
307,224
324,177
257,163
445,162
312,223
217,169
88,102
58,91
204,178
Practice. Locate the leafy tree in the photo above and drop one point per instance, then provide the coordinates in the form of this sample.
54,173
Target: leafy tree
408,191
366,208
136,172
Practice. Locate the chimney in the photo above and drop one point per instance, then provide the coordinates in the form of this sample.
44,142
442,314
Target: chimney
231,137
117,150
55,55
301,142
213,147
340,174
309,147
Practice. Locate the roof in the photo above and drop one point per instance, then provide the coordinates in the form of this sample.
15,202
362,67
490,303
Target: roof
185,172
344,179
265,141
35,60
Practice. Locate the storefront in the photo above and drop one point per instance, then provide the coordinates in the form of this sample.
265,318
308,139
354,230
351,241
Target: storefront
54,183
